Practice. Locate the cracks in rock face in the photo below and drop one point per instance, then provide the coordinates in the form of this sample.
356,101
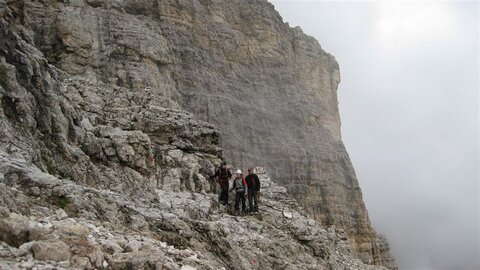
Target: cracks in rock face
59,131
9,105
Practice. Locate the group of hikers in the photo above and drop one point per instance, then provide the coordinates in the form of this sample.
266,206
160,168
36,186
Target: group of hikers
248,187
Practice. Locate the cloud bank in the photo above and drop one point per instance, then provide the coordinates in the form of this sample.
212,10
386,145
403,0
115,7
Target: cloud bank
409,103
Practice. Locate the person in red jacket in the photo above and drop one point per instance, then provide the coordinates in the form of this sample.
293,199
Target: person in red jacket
240,186
222,176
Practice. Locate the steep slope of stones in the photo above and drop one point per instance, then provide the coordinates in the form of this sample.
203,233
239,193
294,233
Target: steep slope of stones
94,177
94,92
182,230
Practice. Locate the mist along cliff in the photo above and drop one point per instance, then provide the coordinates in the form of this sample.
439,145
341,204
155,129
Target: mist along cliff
117,113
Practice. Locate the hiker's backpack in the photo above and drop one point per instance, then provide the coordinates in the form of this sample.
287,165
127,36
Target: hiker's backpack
239,184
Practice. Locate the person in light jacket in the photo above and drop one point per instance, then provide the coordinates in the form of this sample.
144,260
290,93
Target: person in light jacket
240,186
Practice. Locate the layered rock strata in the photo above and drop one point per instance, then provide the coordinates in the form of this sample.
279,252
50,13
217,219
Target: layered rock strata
97,92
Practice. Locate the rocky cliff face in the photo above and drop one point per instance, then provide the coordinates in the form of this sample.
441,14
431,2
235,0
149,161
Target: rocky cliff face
95,97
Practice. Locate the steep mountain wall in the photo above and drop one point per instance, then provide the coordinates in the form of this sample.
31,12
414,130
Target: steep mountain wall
130,64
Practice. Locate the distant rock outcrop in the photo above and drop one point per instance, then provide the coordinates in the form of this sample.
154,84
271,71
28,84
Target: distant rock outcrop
117,113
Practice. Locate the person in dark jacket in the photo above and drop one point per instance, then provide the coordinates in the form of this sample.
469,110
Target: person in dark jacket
253,184
240,186
222,176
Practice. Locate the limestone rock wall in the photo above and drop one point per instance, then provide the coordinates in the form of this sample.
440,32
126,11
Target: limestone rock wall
132,67
93,133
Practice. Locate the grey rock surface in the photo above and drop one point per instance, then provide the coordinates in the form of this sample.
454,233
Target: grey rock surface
112,111
198,233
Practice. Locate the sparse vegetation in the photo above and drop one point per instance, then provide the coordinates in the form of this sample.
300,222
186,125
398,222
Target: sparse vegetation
51,169
63,202
3,76
259,217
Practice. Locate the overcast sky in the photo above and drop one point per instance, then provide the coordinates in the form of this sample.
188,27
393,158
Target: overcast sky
409,103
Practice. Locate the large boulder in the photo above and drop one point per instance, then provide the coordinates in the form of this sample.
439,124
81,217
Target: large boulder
137,261
14,230
51,251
